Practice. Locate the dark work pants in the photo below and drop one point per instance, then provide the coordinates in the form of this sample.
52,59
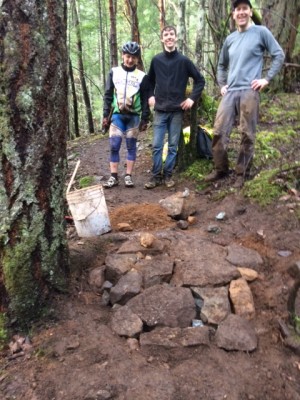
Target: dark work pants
245,105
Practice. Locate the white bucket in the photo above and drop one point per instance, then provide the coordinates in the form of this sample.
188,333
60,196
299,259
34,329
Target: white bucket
89,211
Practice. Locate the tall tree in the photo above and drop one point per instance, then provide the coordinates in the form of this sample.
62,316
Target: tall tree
131,6
113,33
85,92
282,17
74,98
102,42
162,13
34,126
181,27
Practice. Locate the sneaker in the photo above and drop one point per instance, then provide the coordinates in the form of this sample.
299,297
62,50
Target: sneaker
128,181
152,183
169,183
215,175
111,182
239,182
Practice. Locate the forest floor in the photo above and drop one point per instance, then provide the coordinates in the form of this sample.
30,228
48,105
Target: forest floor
75,354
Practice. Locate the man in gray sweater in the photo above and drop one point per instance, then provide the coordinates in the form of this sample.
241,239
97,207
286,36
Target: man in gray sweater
240,79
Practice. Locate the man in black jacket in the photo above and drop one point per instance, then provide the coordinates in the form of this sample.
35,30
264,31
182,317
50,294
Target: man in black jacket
168,77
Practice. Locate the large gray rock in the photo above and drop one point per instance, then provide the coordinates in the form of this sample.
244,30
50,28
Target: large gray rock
163,305
243,257
117,265
125,323
208,267
129,285
179,206
156,270
176,337
236,333
216,306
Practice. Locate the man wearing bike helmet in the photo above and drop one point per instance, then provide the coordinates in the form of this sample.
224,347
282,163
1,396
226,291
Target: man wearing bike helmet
126,101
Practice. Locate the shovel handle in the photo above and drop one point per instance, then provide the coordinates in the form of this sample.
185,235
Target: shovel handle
73,176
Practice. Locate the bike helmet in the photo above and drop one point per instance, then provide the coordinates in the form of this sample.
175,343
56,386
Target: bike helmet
131,48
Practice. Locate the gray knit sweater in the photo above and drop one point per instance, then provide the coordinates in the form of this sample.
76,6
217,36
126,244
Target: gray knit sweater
241,58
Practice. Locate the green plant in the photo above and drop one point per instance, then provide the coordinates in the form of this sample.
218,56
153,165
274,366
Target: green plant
86,181
3,330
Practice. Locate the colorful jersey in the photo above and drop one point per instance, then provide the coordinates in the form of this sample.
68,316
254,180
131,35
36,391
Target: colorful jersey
126,92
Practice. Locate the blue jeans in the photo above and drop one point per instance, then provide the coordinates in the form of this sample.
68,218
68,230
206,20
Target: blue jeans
170,122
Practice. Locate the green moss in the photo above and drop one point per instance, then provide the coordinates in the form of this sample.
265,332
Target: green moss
262,188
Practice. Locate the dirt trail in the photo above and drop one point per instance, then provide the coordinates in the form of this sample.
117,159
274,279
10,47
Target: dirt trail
76,355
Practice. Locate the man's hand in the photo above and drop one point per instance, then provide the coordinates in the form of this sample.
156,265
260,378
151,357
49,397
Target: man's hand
105,124
259,84
151,101
143,126
224,90
187,104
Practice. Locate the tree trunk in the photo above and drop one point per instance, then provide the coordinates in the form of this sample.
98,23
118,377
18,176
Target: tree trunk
34,127
102,43
162,14
85,92
134,23
74,98
181,27
113,33
282,18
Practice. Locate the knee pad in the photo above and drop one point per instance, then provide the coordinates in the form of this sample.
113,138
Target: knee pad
115,144
131,148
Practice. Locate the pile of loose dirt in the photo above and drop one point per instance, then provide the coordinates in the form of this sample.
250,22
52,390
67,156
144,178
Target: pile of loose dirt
141,216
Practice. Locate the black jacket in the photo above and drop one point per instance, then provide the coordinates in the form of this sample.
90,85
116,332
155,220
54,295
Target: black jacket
168,77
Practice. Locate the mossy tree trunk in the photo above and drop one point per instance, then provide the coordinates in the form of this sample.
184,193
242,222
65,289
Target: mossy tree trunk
34,128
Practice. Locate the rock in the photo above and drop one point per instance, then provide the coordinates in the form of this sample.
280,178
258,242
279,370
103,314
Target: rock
293,343
241,298
248,274
156,270
216,304
213,229
124,227
182,224
208,268
192,220
176,337
133,344
243,257
128,286
178,206
236,333
105,298
147,239
125,323
164,305
96,278
117,265
294,270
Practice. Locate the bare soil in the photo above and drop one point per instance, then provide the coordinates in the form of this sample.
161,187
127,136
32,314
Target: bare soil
75,354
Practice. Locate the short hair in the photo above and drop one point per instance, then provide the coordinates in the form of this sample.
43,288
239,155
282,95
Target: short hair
168,28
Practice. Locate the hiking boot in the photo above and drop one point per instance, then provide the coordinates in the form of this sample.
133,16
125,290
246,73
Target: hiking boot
239,182
111,182
169,182
215,176
128,181
152,183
